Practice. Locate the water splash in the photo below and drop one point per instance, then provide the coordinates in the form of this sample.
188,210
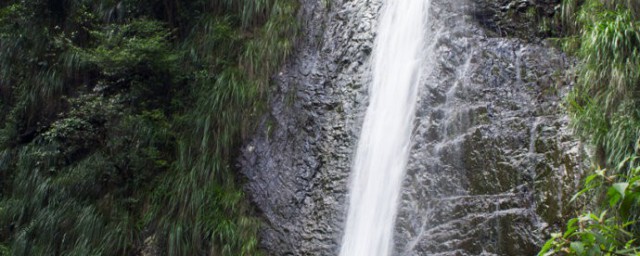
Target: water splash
384,143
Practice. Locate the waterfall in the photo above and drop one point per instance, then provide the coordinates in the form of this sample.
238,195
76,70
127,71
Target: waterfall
384,142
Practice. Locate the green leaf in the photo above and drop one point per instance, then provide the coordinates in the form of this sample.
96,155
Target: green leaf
547,246
603,214
633,180
571,228
570,231
572,222
629,244
621,187
614,196
591,177
624,162
583,191
578,247
627,205
630,251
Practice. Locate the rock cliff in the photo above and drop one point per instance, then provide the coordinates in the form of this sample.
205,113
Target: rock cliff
492,165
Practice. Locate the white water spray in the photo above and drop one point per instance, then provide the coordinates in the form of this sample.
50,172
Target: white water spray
384,143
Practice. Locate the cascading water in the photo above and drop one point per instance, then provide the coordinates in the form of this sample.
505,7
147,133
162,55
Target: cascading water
384,143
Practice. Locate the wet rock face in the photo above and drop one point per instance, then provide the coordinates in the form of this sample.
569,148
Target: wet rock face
298,164
530,20
492,165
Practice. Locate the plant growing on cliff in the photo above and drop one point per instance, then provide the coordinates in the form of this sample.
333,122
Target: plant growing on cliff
123,121
609,230
604,109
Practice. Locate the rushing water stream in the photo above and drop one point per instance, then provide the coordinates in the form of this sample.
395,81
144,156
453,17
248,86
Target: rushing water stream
384,143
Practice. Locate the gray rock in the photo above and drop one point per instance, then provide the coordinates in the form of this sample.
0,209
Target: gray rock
493,163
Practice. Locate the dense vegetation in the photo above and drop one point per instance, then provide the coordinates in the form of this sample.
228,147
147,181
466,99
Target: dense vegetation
120,120
605,111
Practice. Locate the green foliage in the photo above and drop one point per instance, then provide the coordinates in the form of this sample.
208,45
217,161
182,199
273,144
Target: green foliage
132,48
225,110
4,250
609,49
604,107
124,119
607,232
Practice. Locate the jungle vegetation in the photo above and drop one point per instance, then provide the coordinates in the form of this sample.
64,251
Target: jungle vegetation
120,121
604,107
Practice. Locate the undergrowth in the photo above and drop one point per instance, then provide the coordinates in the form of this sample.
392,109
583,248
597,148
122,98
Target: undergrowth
121,121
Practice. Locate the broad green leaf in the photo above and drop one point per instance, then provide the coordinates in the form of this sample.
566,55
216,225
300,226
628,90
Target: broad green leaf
621,187
614,196
578,247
